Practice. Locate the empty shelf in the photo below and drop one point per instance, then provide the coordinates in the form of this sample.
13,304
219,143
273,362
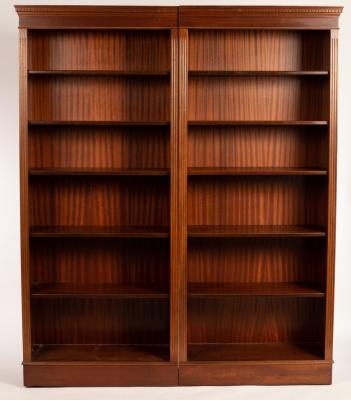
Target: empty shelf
101,171
59,290
255,231
99,72
99,231
125,352
255,171
257,122
117,123
254,351
257,73
252,289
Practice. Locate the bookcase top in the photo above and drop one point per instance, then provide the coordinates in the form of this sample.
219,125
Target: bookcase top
259,17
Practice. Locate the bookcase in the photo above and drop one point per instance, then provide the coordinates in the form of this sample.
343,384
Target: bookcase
178,174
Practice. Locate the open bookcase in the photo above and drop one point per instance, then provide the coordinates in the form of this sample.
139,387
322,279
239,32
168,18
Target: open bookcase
178,169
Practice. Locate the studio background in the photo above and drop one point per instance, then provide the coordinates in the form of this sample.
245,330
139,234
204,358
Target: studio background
10,297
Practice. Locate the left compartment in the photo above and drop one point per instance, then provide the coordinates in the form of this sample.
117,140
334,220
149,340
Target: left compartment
99,195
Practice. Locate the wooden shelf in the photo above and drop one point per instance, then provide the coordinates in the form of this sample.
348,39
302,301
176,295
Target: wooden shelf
99,123
255,171
118,353
59,290
99,72
256,122
99,231
254,351
103,172
202,290
257,73
255,231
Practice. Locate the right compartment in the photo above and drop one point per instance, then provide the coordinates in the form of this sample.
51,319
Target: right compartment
258,145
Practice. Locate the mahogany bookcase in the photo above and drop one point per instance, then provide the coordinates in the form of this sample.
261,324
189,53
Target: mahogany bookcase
178,176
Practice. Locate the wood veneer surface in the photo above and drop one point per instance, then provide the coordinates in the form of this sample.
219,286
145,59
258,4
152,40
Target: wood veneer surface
98,98
254,200
255,320
99,147
120,321
256,146
100,50
99,201
257,50
256,98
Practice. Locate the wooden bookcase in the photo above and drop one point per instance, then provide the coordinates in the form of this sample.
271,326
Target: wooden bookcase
178,173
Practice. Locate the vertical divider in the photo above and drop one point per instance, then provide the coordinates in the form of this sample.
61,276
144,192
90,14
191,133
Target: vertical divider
331,217
182,193
174,276
23,128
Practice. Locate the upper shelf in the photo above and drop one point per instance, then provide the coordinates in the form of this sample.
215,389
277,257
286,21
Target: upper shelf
100,171
257,73
99,72
255,231
256,122
117,123
255,171
252,289
57,290
99,231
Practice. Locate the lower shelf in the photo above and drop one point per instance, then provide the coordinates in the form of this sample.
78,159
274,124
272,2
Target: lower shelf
99,231
254,351
223,231
64,290
283,289
121,353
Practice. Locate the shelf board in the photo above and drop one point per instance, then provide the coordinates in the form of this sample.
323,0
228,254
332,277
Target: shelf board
257,73
255,171
98,123
110,352
255,231
255,122
99,72
59,290
201,290
254,351
99,231
100,171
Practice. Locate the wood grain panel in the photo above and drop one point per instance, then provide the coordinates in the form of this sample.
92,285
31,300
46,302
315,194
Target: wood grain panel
257,260
24,207
256,373
96,261
174,186
74,321
332,166
103,374
182,192
242,98
99,147
250,200
254,352
255,146
99,201
89,50
257,50
265,17
98,98
255,320
94,17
